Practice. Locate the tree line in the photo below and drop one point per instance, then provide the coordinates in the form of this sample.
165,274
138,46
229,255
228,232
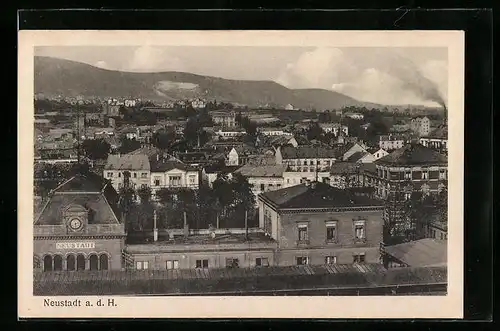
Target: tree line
225,205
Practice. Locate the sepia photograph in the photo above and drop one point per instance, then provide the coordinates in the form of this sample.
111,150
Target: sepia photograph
241,167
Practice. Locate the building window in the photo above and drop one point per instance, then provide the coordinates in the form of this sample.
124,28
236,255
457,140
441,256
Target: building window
359,230
103,262
201,264
47,263
142,265
135,174
305,163
311,162
172,264
157,181
191,180
442,174
80,262
58,263
262,262
232,263
144,186
407,174
174,180
425,175
303,237
110,174
359,258
70,262
94,262
278,186
302,260
331,231
330,259
262,188
144,175
119,174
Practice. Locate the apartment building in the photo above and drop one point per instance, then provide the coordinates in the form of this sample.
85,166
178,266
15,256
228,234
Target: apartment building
306,158
315,223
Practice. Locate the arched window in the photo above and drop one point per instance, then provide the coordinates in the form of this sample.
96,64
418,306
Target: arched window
103,262
80,262
70,262
47,263
94,262
58,261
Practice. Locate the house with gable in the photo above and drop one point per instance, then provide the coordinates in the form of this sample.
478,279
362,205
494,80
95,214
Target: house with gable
352,148
80,227
172,173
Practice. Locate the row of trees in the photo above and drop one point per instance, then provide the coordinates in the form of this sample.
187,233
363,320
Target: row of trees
225,205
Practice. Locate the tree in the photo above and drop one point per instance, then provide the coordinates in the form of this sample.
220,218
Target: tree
163,139
126,202
96,149
128,145
194,133
242,190
144,194
314,132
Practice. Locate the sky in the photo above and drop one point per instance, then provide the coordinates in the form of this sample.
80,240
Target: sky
380,75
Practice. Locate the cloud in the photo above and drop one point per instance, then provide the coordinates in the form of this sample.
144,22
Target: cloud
437,71
318,68
376,86
154,59
379,76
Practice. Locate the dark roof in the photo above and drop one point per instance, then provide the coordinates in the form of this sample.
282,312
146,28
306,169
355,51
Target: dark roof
217,168
316,195
249,170
413,154
127,162
163,165
89,191
368,167
307,152
356,156
344,167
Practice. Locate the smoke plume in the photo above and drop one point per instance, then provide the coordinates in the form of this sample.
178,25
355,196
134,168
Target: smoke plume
413,80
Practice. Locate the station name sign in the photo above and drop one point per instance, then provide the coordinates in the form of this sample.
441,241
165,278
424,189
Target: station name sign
75,245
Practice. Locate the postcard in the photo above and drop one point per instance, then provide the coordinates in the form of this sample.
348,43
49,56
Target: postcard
241,174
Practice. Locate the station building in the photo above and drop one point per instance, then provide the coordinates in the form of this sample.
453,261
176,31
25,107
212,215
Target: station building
79,227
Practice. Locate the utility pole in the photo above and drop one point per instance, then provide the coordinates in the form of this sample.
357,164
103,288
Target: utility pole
246,224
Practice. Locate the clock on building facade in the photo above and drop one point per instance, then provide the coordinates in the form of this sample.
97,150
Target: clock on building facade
75,224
